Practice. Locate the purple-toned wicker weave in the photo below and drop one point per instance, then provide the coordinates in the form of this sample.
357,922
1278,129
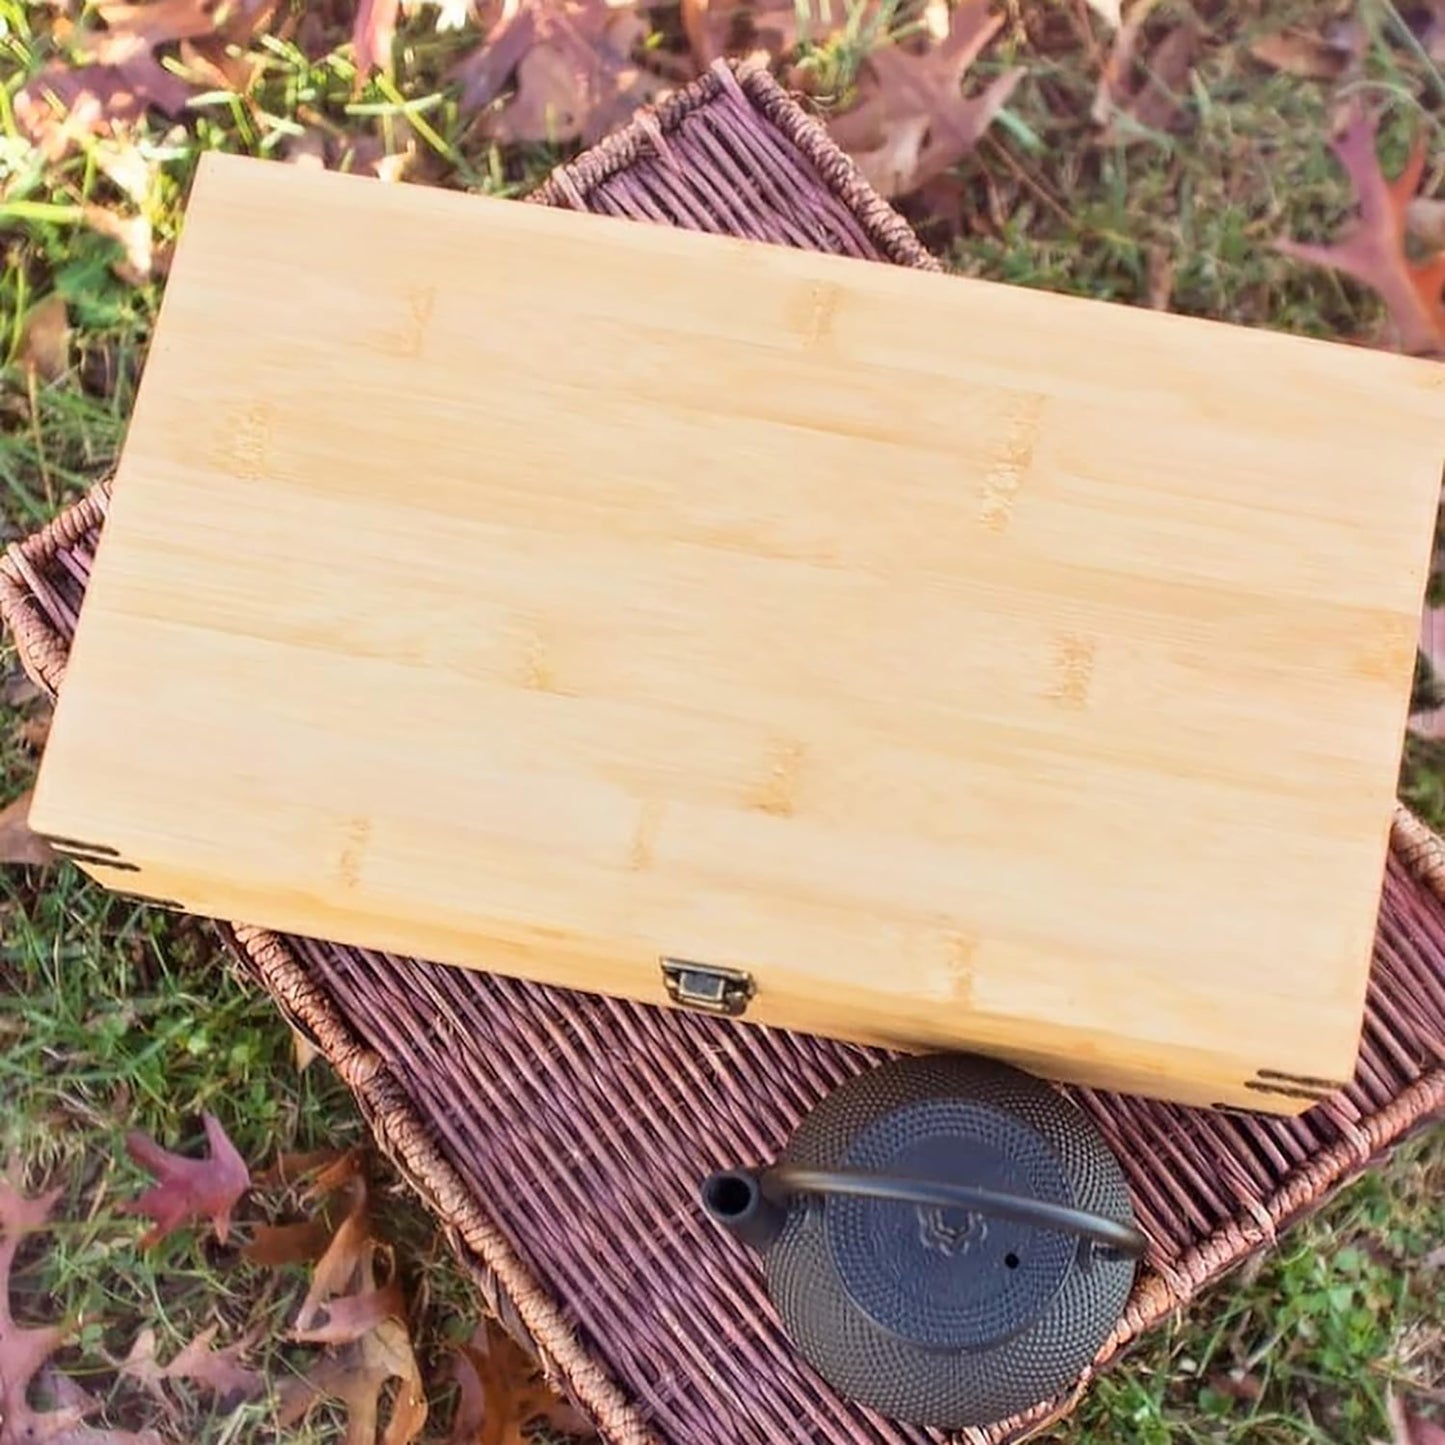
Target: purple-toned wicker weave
560,1137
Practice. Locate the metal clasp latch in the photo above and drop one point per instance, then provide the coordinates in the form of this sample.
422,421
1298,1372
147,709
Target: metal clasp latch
706,987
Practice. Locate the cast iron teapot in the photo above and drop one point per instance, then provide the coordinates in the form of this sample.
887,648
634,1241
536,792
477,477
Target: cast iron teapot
946,1239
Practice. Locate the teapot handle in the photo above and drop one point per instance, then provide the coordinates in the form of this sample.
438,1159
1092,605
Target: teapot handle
750,1204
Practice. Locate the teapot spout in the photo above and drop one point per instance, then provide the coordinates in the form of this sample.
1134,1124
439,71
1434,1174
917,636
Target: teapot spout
735,1199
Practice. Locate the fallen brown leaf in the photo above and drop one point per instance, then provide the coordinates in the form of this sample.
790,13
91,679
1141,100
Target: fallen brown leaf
715,28
1116,80
373,35
573,64
24,1351
188,1189
1158,104
142,1366
1302,53
327,1170
45,339
346,1256
219,61
218,1371
17,843
911,122
275,1245
1135,98
340,1320
123,76
1372,248
364,1324
63,104
1408,1428
500,1394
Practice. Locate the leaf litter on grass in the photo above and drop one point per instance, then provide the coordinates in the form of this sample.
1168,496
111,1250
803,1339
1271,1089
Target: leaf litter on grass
1373,248
353,1323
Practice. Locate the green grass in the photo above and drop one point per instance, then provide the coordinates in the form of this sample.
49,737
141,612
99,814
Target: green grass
113,1018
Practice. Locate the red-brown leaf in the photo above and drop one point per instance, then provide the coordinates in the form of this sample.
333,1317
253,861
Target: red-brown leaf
911,122
746,27
17,843
1132,101
344,1297
500,1394
189,1189
219,1371
23,1351
574,68
142,1366
341,1268
373,35
124,77
275,1245
344,1319
1372,248
1303,53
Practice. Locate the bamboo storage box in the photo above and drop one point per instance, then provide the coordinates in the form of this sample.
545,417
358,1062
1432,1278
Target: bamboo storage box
884,654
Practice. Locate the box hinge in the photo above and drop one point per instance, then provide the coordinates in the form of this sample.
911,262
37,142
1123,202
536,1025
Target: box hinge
707,987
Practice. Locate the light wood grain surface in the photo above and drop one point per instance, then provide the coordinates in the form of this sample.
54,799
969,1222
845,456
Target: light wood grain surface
549,594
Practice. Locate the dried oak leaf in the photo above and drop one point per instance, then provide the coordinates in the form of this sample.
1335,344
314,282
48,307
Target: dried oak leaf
369,1344
218,1371
373,35
24,1351
123,76
1308,54
188,1189
573,64
1136,98
219,60
273,1245
715,28
911,122
17,843
1372,248
324,1170
500,1395
45,339
142,1366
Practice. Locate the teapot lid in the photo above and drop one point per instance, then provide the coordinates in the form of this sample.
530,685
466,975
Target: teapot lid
934,1313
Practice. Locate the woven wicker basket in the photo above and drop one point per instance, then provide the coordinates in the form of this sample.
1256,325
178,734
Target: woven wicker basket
559,1137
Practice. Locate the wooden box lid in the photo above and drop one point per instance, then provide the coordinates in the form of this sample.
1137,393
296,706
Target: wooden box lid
961,665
